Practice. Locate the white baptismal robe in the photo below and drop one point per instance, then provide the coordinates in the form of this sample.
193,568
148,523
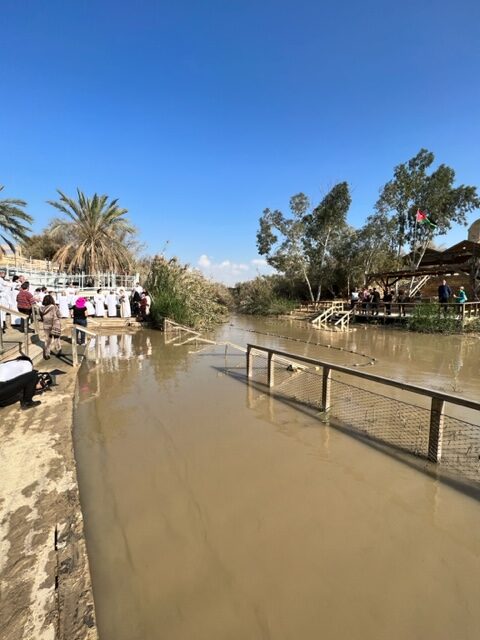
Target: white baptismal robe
99,301
63,302
111,302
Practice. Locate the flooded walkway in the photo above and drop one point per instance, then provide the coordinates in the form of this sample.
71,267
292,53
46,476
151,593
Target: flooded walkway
215,512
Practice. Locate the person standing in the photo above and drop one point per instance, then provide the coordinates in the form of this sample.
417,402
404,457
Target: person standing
148,304
79,314
375,301
71,294
16,284
52,326
354,298
125,311
444,294
64,304
99,301
25,300
89,307
401,299
461,299
111,302
387,299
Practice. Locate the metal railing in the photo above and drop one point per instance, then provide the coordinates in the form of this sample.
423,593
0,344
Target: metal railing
407,416
465,310
93,334
26,321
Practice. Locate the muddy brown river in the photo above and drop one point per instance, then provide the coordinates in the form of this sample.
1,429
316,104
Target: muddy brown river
214,512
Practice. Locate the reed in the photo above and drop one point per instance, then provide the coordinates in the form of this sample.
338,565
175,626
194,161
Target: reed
185,295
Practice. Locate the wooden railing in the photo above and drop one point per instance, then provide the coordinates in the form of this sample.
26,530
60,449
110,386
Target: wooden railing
26,321
88,332
438,399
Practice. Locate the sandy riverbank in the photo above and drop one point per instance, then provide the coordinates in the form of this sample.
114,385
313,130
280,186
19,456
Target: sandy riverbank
45,587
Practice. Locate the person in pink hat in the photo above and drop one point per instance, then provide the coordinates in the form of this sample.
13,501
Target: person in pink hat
79,314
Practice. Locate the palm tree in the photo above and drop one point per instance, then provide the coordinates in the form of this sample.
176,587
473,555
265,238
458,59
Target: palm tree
12,219
97,233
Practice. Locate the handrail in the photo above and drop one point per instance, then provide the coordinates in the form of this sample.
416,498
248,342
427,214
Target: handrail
26,320
93,334
14,312
405,386
437,404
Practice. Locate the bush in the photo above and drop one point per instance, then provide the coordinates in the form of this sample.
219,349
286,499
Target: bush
185,295
429,318
258,297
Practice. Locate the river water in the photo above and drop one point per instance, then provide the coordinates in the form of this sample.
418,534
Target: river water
213,512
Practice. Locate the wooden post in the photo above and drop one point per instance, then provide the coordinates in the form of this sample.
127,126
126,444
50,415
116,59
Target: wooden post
25,331
249,361
435,437
74,347
326,388
35,319
270,368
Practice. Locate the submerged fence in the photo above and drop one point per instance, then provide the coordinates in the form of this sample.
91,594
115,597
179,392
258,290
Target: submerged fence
438,426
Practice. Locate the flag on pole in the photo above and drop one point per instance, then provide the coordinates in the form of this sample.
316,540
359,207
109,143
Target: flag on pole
424,217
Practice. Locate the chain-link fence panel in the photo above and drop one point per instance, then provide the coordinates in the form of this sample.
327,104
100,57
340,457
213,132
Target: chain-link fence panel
393,414
461,447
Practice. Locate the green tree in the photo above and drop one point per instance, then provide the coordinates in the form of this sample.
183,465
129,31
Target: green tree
97,232
325,227
375,244
300,245
13,222
413,187
44,245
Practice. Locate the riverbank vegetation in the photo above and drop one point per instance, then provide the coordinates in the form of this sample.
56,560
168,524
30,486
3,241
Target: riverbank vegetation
265,295
185,295
432,318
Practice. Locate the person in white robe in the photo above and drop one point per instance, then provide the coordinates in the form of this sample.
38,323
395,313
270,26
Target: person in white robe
125,310
71,293
111,302
17,282
99,301
64,304
15,321
90,308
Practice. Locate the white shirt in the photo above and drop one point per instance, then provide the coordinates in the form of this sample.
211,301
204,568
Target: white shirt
13,369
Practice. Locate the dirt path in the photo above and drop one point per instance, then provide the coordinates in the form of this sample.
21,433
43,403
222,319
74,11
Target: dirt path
45,588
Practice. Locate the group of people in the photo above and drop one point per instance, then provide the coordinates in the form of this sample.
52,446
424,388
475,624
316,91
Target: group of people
368,299
16,294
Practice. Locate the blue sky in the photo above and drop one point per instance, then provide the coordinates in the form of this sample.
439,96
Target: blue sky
198,115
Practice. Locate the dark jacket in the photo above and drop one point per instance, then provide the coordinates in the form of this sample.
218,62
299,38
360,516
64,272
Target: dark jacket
444,292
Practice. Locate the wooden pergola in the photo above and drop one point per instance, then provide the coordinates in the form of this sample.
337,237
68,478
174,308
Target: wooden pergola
463,257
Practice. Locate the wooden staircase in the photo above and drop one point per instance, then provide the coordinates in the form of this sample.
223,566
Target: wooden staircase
334,315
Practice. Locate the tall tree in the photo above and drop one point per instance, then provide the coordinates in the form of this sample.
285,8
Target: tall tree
300,245
13,222
413,188
281,240
98,233
324,228
375,244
